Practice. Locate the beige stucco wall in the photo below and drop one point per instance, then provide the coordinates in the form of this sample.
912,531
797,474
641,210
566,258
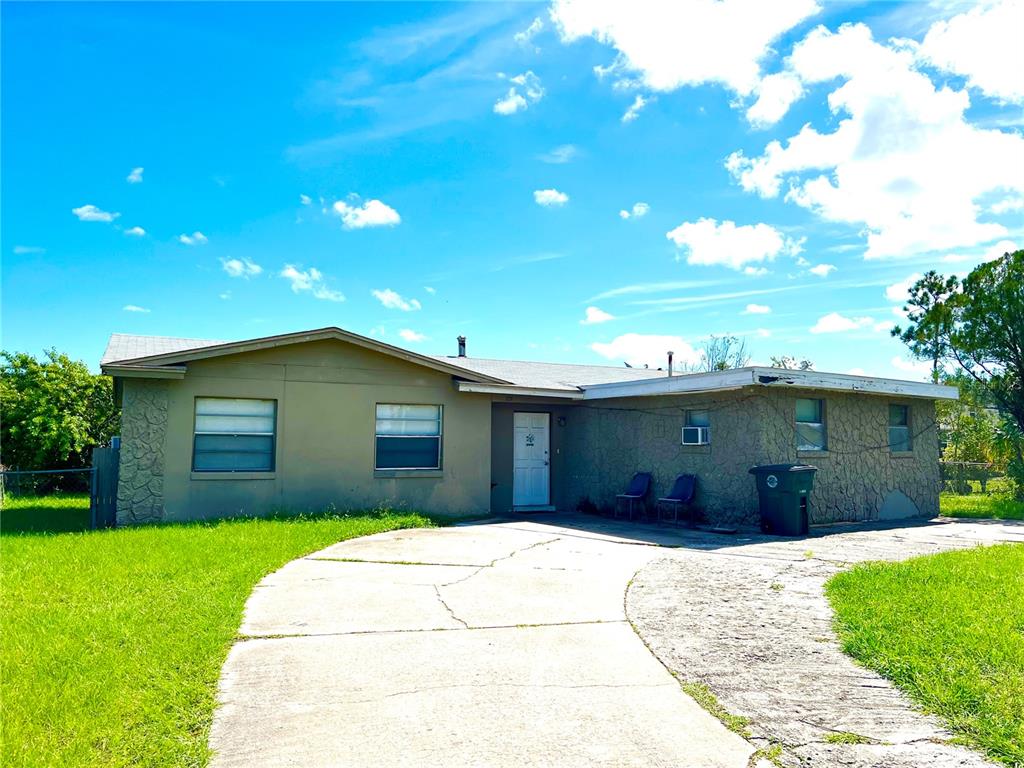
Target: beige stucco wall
326,393
607,441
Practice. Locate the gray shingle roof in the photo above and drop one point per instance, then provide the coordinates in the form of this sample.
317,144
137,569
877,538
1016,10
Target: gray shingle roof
565,376
551,375
125,346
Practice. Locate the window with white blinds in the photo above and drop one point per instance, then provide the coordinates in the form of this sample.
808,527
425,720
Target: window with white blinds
234,435
408,437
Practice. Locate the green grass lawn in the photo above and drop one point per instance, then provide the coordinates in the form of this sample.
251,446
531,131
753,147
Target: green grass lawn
949,630
60,512
981,505
112,641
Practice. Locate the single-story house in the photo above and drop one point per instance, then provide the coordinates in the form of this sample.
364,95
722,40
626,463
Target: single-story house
325,417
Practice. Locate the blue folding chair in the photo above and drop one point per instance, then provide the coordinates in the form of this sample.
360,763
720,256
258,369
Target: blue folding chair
636,493
680,497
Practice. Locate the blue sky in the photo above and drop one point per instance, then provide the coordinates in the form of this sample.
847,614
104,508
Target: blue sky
417,171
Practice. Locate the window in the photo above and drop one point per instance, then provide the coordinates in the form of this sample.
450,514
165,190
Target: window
899,428
697,429
234,435
408,437
810,425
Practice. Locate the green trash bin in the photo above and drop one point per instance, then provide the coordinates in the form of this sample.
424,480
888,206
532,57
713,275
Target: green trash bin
783,491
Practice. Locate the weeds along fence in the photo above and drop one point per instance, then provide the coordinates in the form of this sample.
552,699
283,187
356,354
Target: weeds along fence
29,497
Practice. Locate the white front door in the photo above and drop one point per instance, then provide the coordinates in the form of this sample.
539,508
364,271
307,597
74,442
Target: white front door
531,470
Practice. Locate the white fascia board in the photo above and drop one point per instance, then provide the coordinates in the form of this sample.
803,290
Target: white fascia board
512,389
672,385
844,382
769,377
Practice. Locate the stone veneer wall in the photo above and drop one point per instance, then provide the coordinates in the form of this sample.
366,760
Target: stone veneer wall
858,471
607,442
610,440
140,488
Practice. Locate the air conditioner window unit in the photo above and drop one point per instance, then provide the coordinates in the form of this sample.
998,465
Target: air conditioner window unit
696,435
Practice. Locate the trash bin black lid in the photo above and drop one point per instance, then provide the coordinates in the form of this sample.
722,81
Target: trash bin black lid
776,469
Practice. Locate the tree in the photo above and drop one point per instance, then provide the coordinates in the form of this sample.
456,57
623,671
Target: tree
791,363
722,353
52,411
930,318
978,325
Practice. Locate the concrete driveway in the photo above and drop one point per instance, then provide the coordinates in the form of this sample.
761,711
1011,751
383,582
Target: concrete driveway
489,644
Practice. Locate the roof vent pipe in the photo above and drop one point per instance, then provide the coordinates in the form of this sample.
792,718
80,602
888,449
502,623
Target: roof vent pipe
462,346
670,353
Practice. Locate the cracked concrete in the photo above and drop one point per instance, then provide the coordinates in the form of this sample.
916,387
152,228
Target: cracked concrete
507,644
501,644
753,624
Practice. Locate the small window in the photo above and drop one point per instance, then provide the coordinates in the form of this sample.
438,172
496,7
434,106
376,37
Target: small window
899,428
408,437
697,428
810,425
234,435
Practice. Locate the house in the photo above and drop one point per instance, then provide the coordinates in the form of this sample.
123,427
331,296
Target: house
304,420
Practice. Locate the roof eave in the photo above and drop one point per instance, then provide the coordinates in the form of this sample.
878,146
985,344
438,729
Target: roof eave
143,371
515,389
268,342
770,377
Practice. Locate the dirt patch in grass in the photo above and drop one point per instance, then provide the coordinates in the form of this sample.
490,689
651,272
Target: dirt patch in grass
113,640
948,629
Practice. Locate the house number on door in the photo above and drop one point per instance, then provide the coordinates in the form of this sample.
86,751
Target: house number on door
529,440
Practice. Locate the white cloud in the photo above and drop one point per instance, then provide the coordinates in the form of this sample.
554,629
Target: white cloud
311,281
888,164
901,290
856,372
305,199
920,368
639,349
135,177
411,335
196,238
550,197
978,44
26,249
135,232
372,213
595,316
393,300
665,46
726,244
513,101
775,94
225,295
524,37
430,290
822,270
92,213
1008,205
757,309
638,210
755,271
560,154
635,108
834,322
763,333
135,308
241,268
